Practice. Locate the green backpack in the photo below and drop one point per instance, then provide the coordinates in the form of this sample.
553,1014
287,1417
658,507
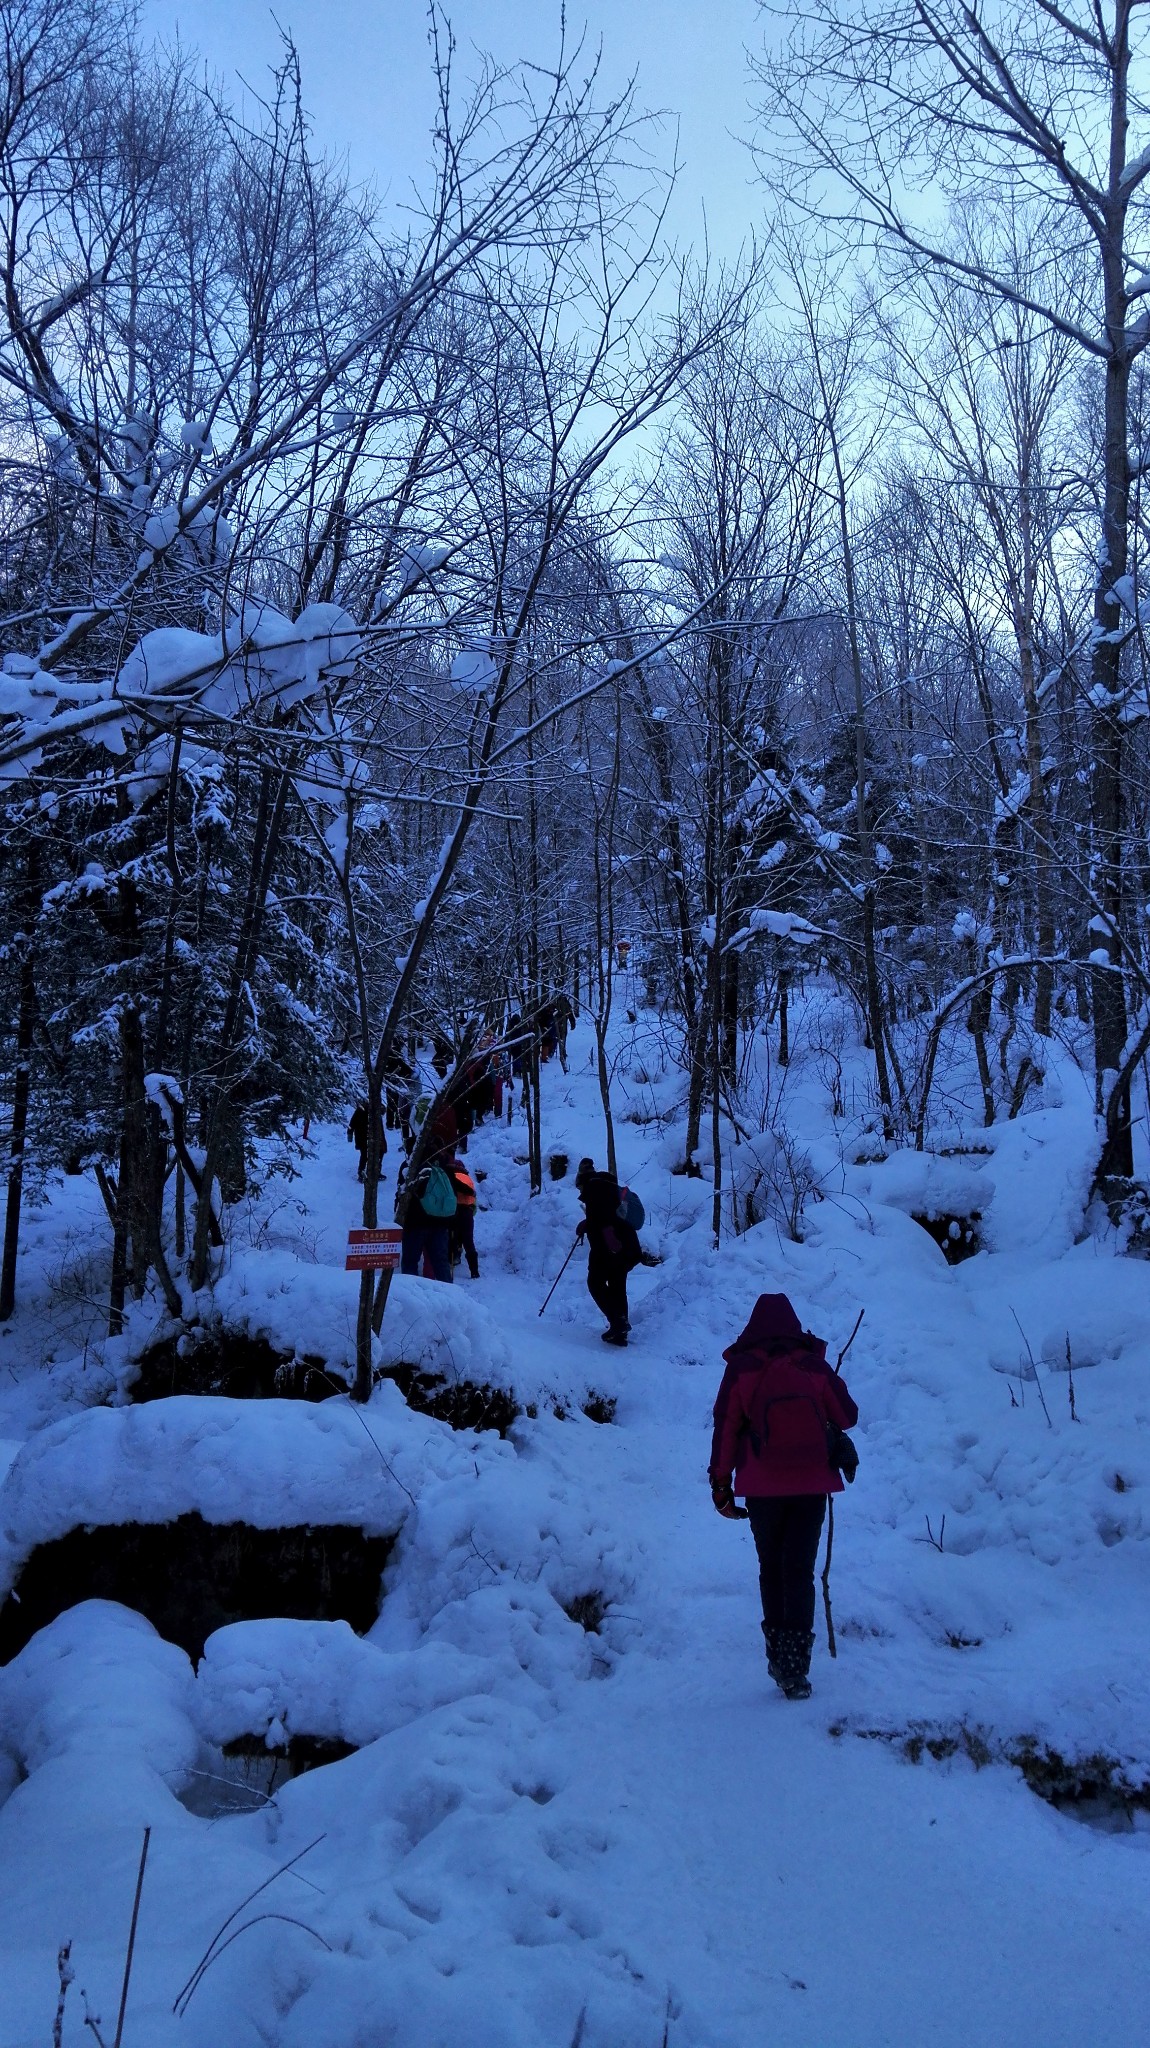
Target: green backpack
437,1198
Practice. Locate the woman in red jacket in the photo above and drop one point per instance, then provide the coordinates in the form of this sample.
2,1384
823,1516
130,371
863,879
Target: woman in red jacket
771,1418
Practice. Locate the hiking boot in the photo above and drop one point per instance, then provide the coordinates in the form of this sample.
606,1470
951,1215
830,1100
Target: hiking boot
614,1336
794,1661
771,1639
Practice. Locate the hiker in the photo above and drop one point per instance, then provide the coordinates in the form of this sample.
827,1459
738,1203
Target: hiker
462,1225
517,1040
357,1131
457,1102
772,1414
564,1022
500,1077
613,1247
547,1025
442,1131
425,1208
398,1075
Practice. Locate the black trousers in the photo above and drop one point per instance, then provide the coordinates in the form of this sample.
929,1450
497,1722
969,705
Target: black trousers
607,1286
463,1239
786,1530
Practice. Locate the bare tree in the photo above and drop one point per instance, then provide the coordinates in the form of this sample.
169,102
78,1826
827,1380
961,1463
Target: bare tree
1003,103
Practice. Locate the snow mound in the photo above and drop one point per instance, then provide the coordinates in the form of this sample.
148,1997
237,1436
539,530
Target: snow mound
283,1678
923,1184
443,1330
99,1679
303,1311
271,1464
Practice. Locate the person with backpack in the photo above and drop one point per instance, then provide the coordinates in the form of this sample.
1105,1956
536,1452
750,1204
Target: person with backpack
612,1243
779,1418
357,1132
462,1226
425,1207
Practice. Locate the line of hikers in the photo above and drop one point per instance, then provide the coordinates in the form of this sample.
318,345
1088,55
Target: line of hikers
781,1414
436,1203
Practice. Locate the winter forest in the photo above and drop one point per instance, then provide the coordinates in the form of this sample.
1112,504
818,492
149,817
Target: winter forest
539,756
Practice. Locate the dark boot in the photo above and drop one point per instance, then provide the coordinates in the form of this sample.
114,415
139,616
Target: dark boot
794,1661
771,1638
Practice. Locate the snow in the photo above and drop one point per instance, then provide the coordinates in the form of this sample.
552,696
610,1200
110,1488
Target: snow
314,1678
99,1680
473,670
280,1464
260,659
626,1822
420,561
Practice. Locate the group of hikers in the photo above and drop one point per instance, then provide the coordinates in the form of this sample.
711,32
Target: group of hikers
782,1412
436,1196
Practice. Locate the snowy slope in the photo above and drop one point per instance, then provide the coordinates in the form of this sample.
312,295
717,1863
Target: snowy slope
630,1823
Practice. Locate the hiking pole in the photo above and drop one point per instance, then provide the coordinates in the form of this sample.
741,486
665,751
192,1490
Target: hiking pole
831,1645
560,1273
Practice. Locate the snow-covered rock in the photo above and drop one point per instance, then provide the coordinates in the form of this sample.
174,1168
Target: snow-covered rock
272,1464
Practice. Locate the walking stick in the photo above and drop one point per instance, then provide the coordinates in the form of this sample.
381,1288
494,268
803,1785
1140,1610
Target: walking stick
831,1645
560,1273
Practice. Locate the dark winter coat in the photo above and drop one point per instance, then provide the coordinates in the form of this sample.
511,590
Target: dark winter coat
777,1397
359,1126
607,1238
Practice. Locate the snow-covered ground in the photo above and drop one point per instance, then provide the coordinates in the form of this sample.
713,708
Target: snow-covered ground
625,1830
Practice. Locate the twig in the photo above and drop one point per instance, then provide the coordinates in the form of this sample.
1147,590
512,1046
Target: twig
1034,1370
831,1645
132,1940
288,1919
66,1974
1074,1416
850,1339
92,2020
935,1541
202,1965
354,1406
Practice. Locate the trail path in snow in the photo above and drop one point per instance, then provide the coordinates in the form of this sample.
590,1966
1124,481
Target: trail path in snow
633,1825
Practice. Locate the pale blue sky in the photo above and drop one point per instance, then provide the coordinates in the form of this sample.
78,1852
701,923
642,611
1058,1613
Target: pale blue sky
365,72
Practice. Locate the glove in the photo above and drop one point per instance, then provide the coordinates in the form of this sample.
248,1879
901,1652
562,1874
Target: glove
725,1502
581,1230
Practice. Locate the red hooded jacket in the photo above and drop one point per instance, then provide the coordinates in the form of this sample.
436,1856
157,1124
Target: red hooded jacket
777,1396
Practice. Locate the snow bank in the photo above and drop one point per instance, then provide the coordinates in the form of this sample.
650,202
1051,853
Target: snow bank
282,1678
443,1330
303,1311
1029,1179
272,1464
99,1679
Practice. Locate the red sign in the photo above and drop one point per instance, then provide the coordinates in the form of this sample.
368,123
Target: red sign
374,1251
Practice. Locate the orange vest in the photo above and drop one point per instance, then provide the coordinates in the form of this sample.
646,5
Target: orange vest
464,1187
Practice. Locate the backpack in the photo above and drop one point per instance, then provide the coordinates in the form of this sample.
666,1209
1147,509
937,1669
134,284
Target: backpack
437,1197
842,1455
631,1209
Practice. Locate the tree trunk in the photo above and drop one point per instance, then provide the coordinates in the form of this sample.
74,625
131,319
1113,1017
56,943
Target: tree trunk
1108,993
22,1088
